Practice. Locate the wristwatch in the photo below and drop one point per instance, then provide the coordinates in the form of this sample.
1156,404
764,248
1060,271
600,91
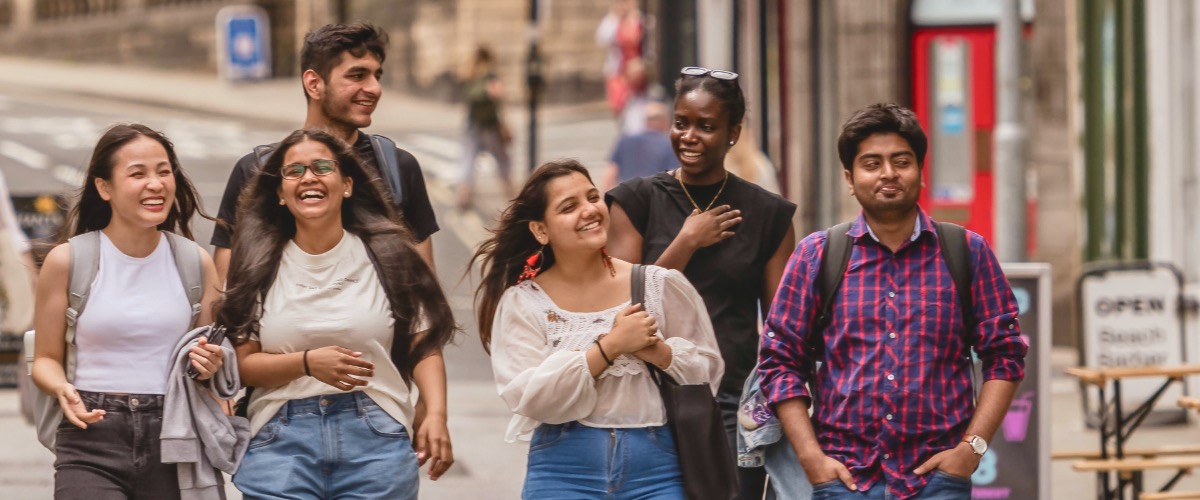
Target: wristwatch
978,444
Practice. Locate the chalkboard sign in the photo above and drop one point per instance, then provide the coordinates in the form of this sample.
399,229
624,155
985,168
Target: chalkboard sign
1017,464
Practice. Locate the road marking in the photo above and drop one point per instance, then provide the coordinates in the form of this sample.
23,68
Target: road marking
26,155
70,176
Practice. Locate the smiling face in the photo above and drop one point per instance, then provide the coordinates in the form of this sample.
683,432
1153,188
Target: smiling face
701,135
313,198
350,95
576,218
141,186
885,176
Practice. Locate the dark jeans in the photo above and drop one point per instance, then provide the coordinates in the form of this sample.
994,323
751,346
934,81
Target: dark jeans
751,480
117,457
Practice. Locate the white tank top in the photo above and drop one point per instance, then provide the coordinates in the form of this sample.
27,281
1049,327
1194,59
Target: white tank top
137,310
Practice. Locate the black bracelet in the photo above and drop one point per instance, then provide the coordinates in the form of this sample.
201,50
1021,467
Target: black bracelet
602,354
306,372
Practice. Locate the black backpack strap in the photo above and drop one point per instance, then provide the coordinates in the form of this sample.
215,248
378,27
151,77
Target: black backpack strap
388,160
835,256
952,238
263,153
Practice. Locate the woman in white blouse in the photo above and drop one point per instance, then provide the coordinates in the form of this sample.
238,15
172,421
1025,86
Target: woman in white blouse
569,350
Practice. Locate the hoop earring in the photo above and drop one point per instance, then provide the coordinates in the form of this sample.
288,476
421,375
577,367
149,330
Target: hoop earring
530,271
612,271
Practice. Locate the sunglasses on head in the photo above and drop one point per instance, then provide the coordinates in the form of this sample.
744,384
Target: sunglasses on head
719,74
319,168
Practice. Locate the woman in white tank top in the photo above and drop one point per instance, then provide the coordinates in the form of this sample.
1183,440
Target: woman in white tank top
334,315
137,310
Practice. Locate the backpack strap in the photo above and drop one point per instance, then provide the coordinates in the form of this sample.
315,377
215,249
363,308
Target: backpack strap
191,269
388,160
835,256
952,238
85,263
263,153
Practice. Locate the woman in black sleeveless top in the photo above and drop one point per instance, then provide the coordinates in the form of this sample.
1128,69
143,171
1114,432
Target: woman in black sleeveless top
730,238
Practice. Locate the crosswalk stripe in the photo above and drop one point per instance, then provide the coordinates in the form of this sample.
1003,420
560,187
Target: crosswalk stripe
26,155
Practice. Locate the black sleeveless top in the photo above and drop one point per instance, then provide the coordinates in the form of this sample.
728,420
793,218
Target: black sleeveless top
729,274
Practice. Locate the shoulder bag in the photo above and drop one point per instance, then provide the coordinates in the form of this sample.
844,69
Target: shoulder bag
694,418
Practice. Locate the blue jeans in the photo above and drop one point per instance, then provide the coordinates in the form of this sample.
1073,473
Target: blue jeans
575,461
941,486
337,446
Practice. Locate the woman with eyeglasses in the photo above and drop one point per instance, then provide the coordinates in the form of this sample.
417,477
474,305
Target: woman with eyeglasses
334,315
729,237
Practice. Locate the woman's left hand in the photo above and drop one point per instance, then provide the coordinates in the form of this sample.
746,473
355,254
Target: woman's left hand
206,358
433,445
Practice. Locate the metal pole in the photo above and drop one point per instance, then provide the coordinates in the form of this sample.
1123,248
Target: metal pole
533,76
1010,138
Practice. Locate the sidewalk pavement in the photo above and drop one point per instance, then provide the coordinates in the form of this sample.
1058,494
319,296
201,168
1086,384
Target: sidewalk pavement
431,129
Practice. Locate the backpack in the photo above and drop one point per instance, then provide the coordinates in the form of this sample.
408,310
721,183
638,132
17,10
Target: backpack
386,158
85,263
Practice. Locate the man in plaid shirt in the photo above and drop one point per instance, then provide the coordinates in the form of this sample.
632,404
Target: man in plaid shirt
894,414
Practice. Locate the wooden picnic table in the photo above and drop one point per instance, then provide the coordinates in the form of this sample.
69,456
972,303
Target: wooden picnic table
1117,426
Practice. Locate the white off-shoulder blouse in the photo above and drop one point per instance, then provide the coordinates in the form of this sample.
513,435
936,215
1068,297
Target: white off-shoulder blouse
541,371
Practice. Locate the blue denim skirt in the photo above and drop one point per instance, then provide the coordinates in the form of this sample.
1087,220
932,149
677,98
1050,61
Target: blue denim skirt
572,460
336,446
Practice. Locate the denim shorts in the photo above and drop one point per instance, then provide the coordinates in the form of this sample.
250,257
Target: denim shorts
941,486
336,446
572,460
118,457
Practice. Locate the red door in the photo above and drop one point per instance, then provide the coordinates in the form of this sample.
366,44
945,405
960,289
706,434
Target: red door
953,85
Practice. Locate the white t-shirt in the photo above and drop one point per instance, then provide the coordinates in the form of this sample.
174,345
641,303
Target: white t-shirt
334,298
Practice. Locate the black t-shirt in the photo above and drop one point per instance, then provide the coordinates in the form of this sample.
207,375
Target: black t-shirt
729,274
415,208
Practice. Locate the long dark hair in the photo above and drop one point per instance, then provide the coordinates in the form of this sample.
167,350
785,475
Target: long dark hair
502,257
92,213
264,227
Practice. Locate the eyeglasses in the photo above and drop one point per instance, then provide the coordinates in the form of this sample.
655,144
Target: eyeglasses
319,168
719,74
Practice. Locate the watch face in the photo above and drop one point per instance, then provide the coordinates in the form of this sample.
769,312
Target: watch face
979,445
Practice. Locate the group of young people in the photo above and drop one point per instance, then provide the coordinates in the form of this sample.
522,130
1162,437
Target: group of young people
323,275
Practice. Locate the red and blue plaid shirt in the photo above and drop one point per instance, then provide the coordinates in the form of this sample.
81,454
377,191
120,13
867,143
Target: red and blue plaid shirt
894,387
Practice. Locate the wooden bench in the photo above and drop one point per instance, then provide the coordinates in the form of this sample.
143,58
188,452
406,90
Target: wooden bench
1168,450
1171,495
1190,403
1136,464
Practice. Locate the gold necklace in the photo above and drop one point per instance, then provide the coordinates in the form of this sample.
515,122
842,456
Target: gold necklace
679,177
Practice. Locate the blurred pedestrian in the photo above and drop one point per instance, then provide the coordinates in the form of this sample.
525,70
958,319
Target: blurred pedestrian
18,275
340,70
334,315
894,412
137,311
623,34
642,154
569,350
486,131
747,161
728,236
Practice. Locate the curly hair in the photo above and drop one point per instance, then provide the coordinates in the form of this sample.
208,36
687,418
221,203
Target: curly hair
264,228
